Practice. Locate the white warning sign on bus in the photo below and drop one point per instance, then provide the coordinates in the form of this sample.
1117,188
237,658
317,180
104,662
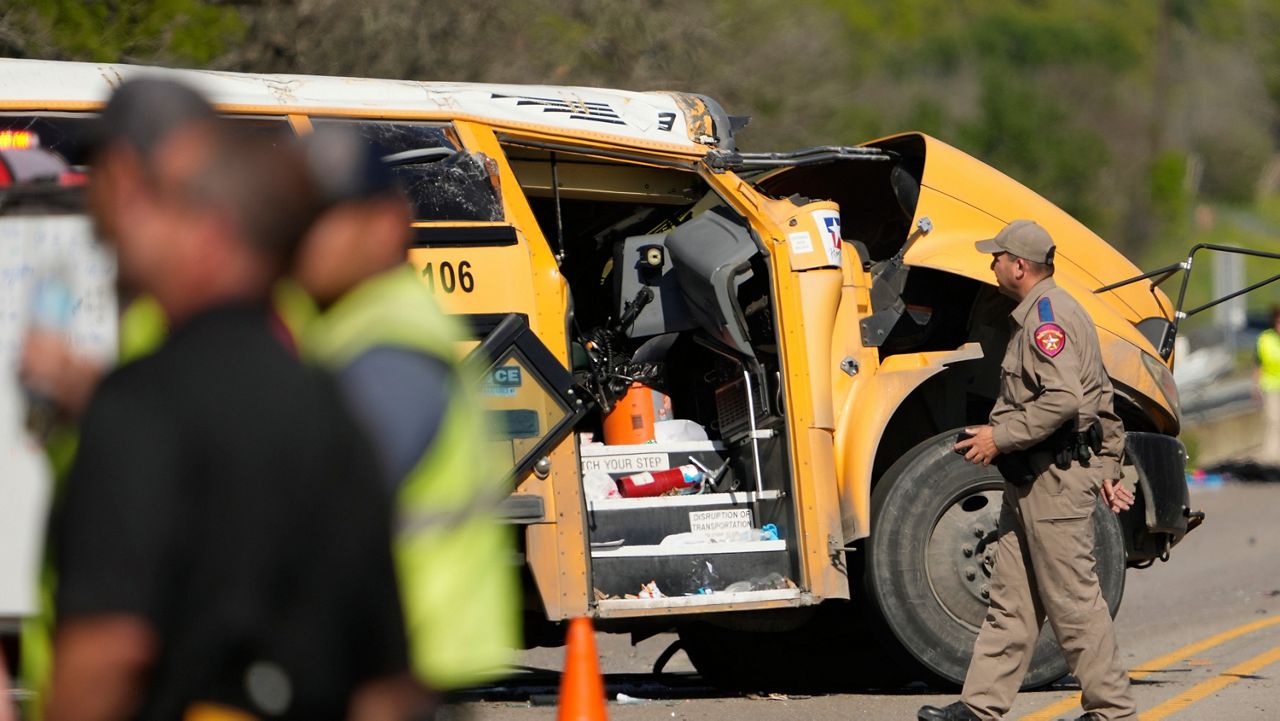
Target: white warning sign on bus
801,242
722,526
628,463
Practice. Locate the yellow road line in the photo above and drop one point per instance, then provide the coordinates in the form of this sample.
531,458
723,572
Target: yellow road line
1160,662
1212,686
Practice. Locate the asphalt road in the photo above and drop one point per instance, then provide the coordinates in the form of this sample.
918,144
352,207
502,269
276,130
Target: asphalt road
1201,635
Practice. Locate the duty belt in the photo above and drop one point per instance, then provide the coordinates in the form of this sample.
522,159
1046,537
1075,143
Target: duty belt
1064,446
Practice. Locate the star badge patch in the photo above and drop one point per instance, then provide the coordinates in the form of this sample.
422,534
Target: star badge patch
1051,339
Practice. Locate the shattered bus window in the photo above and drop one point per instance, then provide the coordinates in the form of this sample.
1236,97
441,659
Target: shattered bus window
449,184
459,187
393,138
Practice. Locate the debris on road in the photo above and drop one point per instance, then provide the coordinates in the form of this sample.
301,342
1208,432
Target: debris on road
626,700
1245,470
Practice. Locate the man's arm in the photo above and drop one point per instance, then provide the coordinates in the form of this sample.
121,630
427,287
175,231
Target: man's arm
392,699
49,366
1112,427
399,398
1058,400
113,540
378,652
101,668
1114,494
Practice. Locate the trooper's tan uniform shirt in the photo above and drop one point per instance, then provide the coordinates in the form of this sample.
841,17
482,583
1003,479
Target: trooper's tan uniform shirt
1051,374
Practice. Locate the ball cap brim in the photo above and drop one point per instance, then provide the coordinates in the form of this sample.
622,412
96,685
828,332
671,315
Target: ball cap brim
1023,238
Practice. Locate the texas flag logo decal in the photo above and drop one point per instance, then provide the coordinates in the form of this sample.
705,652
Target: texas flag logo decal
1051,339
828,222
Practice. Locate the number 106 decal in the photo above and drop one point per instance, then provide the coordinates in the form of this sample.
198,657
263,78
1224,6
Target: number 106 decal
449,277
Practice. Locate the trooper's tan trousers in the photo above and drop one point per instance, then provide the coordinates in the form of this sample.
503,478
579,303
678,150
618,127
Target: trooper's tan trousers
1044,567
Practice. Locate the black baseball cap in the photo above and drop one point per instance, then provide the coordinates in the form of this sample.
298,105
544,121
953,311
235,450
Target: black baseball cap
144,111
345,167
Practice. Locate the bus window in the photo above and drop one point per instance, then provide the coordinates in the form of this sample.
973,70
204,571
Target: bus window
275,129
65,134
442,182
60,134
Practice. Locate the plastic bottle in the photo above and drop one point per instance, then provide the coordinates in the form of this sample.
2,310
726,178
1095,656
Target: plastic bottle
52,304
772,581
685,479
749,535
703,578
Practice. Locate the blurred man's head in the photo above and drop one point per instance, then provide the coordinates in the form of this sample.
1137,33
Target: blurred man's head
198,215
139,120
364,229
233,210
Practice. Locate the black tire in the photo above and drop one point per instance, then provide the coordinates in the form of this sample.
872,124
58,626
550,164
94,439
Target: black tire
926,513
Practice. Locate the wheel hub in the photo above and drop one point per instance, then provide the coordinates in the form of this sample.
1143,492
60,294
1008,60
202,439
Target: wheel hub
961,554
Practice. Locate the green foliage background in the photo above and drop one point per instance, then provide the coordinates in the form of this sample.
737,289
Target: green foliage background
1137,116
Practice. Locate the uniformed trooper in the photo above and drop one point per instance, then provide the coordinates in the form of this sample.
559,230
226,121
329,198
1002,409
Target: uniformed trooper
1057,441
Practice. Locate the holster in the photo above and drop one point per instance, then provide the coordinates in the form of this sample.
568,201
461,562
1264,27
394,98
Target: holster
1016,467
1064,446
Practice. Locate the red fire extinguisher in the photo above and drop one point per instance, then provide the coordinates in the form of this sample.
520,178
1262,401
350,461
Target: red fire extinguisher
685,479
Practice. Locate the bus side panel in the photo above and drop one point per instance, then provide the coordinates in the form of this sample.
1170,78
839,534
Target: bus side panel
867,410
806,303
556,550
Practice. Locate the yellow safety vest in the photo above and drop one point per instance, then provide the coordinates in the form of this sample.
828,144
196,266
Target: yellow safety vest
459,588
1269,360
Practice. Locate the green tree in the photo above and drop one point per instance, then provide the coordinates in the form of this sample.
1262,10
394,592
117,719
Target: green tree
160,31
783,64
1032,138
1106,107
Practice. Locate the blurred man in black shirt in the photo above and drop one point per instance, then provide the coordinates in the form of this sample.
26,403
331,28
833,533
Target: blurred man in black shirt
222,546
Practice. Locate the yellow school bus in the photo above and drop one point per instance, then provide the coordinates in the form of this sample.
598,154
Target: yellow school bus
817,322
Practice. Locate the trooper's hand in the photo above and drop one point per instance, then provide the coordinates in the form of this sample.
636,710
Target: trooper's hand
981,448
1116,496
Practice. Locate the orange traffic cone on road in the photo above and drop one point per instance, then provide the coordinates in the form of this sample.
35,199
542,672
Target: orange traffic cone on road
581,685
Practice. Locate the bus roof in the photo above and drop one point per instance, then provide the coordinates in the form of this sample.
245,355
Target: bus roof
676,121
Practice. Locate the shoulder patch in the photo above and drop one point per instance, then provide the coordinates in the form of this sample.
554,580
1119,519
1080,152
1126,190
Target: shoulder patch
1045,308
1050,338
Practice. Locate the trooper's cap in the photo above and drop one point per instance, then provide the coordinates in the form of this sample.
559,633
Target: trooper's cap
1023,238
345,167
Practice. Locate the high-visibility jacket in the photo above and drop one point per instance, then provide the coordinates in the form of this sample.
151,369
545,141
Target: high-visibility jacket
458,584
1269,361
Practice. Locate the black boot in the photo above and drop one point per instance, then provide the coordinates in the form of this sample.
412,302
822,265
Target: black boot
1088,717
955,712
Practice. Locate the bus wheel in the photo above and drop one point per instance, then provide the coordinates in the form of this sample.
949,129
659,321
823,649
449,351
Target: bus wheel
928,564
